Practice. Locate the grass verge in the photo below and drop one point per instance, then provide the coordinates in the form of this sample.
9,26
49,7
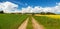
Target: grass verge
29,26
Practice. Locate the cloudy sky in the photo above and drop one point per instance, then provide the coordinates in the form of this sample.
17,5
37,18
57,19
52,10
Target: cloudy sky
30,6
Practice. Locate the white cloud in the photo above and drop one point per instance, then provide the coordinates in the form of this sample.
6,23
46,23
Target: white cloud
9,7
38,9
58,3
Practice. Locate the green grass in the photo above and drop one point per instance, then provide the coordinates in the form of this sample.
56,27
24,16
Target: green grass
11,21
29,26
48,23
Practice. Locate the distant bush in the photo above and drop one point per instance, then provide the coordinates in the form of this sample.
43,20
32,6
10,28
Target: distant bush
47,13
42,13
1,12
50,13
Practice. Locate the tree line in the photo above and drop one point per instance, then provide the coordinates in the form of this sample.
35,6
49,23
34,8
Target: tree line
42,13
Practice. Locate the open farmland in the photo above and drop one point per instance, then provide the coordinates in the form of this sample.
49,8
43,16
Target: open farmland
11,21
51,16
14,21
54,16
48,22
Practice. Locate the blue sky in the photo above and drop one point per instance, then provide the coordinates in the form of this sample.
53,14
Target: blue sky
30,6
33,3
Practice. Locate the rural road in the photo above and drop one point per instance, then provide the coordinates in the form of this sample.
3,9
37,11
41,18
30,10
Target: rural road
36,25
24,24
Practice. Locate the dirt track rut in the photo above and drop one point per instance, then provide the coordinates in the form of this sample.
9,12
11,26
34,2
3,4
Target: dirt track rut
24,24
36,25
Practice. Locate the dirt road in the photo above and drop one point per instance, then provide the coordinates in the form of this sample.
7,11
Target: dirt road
36,25
24,24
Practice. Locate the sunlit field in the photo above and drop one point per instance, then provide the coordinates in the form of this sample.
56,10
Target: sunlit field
11,21
49,21
51,16
54,16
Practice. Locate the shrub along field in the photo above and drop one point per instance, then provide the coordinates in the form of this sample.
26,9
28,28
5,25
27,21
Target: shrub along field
11,21
48,22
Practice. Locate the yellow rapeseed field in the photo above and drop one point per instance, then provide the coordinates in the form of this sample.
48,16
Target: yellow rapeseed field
51,16
54,16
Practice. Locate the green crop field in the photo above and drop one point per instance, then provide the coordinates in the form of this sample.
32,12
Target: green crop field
47,22
11,21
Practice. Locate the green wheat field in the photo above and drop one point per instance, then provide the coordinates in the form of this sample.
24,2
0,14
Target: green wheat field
13,21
